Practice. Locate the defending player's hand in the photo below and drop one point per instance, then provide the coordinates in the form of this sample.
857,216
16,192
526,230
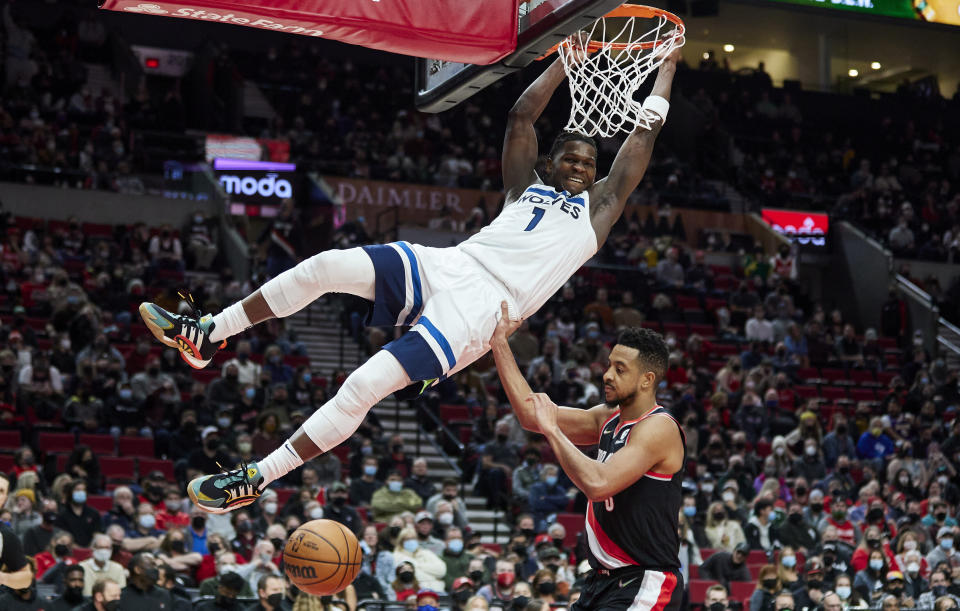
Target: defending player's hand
505,326
545,411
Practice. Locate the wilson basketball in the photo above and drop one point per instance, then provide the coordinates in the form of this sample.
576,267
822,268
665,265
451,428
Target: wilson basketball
322,557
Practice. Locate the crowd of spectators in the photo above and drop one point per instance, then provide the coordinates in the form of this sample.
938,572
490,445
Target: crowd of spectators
822,457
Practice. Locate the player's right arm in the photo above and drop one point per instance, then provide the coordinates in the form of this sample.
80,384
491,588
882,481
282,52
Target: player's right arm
520,147
581,426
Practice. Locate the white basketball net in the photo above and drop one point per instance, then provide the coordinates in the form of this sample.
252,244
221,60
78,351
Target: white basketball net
603,84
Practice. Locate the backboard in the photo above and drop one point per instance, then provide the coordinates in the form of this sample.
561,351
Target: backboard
442,85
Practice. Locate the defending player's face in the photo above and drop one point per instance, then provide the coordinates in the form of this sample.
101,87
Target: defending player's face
574,168
625,377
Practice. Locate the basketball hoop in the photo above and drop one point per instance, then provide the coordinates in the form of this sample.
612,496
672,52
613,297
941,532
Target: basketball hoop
613,67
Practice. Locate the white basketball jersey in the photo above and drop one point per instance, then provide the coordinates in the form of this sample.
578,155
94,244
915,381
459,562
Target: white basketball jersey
536,244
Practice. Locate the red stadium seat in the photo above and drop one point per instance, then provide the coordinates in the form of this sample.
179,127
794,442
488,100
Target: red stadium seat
56,442
6,463
653,325
146,465
118,468
698,590
694,571
741,590
706,552
810,375
100,503
833,393
10,440
449,413
757,556
754,570
705,331
135,446
685,302
805,392
573,523
833,376
82,553
863,394
342,452
205,376
283,494
712,304
99,444
678,328
863,377
495,548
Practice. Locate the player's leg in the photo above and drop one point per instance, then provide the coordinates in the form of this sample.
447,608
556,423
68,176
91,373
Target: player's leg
198,338
325,429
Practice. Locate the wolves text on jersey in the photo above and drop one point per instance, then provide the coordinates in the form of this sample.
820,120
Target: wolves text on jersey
572,206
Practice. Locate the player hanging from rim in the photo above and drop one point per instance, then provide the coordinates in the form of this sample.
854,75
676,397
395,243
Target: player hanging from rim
633,486
451,296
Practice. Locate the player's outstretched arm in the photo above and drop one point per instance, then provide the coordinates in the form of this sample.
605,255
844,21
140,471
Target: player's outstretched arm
582,426
646,447
520,147
609,196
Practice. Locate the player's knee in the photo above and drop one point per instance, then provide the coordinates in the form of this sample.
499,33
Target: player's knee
315,271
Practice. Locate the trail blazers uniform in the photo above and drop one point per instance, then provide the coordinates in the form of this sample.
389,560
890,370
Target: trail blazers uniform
633,536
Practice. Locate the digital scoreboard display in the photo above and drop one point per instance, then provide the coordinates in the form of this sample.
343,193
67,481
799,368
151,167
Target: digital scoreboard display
934,11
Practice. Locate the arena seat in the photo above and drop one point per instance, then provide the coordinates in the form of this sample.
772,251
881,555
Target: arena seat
450,413
56,442
741,590
694,571
82,553
698,590
863,394
100,502
757,556
703,330
573,523
10,440
6,463
146,465
99,444
754,570
205,376
706,552
834,376
833,393
863,377
135,446
118,468
283,494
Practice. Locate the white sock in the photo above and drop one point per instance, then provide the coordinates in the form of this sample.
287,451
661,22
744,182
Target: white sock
229,322
339,417
280,462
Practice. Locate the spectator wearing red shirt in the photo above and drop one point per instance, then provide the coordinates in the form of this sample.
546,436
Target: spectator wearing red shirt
59,552
171,512
847,531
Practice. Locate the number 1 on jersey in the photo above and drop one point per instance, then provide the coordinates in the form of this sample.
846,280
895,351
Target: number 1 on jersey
537,215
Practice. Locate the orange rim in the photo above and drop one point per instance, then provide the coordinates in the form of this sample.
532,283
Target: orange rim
629,10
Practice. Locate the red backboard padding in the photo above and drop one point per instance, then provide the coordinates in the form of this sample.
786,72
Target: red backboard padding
460,31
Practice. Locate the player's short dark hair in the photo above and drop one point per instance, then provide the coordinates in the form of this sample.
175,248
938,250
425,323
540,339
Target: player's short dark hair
73,568
565,137
651,346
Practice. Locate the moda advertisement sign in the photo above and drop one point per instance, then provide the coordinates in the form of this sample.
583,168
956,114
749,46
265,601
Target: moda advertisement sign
257,188
418,203
799,225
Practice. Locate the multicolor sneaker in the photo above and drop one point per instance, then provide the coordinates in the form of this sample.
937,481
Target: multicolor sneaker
223,492
187,333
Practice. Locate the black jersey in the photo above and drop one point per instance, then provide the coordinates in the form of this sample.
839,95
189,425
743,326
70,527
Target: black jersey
638,525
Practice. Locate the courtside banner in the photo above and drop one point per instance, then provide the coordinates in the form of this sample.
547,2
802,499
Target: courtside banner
452,30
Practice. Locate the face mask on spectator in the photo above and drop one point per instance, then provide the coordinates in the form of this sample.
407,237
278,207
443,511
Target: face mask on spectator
455,545
270,508
370,470
79,497
395,486
551,480
445,518
406,576
244,447
689,511
147,521
101,555
876,564
728,496
946,543
707,488
411,545
843,592
173,506
316,513
789,561
125,393
223,421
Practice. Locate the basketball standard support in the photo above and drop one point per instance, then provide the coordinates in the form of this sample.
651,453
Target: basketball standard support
442,85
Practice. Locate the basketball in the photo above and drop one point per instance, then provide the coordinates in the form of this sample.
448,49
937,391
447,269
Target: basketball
322,557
